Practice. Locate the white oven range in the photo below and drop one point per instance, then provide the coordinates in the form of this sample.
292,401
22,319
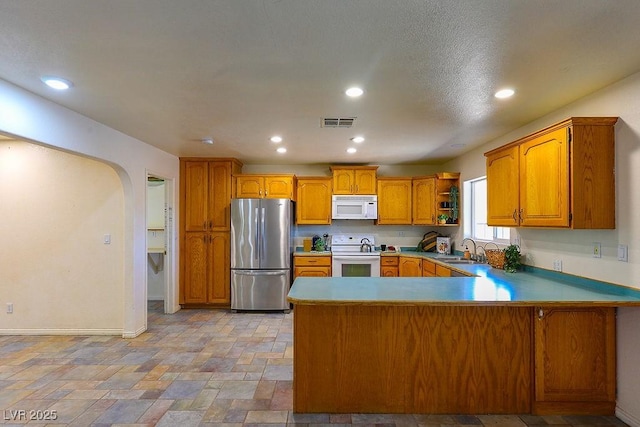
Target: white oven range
354,255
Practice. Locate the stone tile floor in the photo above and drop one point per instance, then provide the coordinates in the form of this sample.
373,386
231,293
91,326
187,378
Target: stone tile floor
192,368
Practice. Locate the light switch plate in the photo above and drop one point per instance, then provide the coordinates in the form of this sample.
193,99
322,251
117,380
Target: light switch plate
623,253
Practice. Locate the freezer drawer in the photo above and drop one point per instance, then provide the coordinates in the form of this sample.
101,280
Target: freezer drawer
260,289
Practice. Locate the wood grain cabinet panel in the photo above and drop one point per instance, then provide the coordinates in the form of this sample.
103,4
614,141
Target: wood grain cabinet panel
354,179
575,360
205,207
389,266
313,204
394,201
265,186
410,267
312,266
562,176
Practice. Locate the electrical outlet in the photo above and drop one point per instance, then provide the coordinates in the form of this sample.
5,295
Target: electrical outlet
516,241
9,307
107,239
400,233
596,250
557,264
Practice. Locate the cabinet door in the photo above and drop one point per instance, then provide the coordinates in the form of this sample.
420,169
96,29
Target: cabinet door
313,201
312,272
249,187
219,196
343,181
544,180
195,268
424,201
503,189
575,358
219,274
365,181
394,201
428,268
410,267
442,271
278,187
196,189
389,271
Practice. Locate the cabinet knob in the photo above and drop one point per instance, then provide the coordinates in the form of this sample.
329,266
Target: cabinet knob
515,219
520,214
540,314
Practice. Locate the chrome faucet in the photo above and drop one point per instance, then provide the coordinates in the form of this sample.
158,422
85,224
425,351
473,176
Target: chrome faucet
474,254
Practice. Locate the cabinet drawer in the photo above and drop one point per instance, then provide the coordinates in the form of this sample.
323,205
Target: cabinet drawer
315,261
389,260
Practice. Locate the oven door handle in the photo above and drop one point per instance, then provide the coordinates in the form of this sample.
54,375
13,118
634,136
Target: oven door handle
355,258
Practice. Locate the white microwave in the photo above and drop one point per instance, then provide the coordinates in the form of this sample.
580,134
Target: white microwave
354,207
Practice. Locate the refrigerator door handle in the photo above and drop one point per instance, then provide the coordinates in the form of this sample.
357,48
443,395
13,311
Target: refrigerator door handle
259,273
263,240
256,242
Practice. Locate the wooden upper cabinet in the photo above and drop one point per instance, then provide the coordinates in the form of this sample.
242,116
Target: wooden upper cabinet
207,194
313,204
544,180
265,186
354,179
424,200
503,192
394,201
575,359
561,176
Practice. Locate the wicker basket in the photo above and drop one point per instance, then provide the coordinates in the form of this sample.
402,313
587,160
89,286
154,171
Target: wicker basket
495,257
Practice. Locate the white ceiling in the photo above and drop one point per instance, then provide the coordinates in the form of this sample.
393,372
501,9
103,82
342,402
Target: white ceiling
172,72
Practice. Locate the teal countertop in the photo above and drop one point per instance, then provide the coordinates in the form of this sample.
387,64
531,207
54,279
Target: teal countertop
490,286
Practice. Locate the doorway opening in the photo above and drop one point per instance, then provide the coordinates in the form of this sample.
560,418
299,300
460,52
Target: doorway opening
160,249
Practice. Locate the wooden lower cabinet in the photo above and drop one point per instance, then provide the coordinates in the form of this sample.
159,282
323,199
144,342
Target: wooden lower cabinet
575,360
428,268
389,266
206,268
442,271
410,267
312,266
411,359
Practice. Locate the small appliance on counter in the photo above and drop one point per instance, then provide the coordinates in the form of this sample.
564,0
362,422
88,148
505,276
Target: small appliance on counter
443,245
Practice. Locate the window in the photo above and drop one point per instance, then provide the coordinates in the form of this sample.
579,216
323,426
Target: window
475,213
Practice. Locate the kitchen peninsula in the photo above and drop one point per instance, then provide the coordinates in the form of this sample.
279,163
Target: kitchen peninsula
493,343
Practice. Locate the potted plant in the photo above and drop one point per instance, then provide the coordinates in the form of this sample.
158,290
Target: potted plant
442,218
511,258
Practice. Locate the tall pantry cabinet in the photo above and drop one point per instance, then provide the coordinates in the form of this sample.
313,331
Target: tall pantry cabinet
206,188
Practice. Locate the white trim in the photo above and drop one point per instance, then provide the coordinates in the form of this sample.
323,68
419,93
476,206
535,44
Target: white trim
133,334
629,419
61,332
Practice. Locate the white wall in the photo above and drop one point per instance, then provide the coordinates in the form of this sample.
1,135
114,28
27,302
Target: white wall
573,247
32,118
56,208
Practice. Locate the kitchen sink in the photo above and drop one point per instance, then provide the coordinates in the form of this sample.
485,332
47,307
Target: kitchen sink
461,261
448,258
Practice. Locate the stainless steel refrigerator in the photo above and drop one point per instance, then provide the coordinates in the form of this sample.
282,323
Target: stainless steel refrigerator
261,253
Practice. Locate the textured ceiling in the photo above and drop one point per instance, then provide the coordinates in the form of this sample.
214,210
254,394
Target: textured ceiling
239,71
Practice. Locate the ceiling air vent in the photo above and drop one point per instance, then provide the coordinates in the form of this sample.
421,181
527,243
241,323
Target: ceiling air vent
337,122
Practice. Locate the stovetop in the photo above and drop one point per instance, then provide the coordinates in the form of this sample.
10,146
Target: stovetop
350,244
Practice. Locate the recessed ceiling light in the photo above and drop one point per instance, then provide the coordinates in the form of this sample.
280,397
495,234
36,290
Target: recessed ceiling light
504,93
281,150
351,150
57,83
357,139
354,92
277,139
208,141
